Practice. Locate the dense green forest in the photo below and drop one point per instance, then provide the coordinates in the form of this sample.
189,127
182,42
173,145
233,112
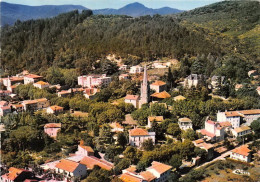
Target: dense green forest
77,40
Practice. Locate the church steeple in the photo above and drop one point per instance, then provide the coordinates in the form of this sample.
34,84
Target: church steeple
144,89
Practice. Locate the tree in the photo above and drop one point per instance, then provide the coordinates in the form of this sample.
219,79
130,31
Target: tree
121,139
132,154
255,125
175,161
123,164
174,129
189,134
148,144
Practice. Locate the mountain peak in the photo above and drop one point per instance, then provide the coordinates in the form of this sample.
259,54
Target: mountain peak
135,4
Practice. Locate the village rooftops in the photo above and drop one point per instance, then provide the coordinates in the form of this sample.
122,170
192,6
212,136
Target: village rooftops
159,167
161,95
67,165
225,124
126,177
198,141
13,173
91,161
131,169
42,83
132,97
156,118
242,150
250,112
205,132
52,125
158,83
233,114
33,76
56,108
148,176
186,120
242,128
138,132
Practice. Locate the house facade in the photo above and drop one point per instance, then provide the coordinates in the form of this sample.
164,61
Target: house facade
193,80
32,78
241,131
233,117
213,131
84,150
41,85
52,129
242,153
136,69
138,135
91,81
157,119
158,86
185,123
54,109
71,168
132,99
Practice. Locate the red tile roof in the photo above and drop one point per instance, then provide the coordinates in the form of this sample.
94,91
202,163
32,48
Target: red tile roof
185,120
116,125
148,176
210,122
130,178
198,141
131,169
56,108
205,132
242,150
232,113
33,76
132,97
160,167
87,148
225,124
249,112
42,83
53,125
156,118
161,95
67,165
242,128
158,83
138,132
91,161
14,173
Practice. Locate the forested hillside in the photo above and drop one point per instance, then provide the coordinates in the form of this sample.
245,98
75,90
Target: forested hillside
77,40
238,21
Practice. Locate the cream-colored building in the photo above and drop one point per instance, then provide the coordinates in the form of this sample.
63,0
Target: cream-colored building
185,123
242,153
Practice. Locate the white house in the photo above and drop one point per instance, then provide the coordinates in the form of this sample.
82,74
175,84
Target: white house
54,109
250,115
31,78
52,129
123,67
158,86
136,69
138,135
132,99
71,168
156,172
41,84
241,131
215,80
242,153
185,123
84,150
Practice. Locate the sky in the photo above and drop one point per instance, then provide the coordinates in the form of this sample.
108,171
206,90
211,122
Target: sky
99,4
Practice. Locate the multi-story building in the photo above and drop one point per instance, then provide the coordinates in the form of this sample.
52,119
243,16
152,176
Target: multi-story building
213,131
138,135
193,80
91,81
241,131
136,69
185,123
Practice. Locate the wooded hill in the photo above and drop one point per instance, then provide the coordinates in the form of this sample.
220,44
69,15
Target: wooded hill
77,40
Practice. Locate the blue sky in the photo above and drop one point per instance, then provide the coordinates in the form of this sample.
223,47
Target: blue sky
98,4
